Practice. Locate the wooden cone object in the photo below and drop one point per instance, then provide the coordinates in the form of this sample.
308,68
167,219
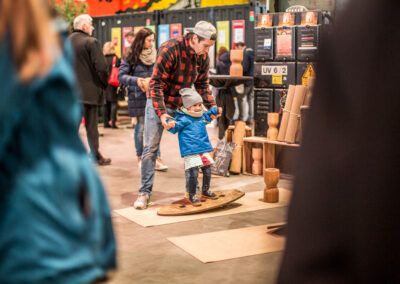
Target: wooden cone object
286,111
273,121
236,68
237,139
256,168
310,87
294,116
271,179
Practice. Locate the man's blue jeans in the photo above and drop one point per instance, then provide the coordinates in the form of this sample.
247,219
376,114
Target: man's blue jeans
138,136
153,130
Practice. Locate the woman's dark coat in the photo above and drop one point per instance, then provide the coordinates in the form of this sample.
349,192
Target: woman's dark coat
128,76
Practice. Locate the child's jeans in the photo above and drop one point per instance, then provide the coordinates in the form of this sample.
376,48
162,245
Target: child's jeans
191,179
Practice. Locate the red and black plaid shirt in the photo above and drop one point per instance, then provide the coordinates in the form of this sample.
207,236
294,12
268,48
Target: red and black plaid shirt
177,67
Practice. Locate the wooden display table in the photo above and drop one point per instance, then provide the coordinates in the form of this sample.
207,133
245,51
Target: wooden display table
268,147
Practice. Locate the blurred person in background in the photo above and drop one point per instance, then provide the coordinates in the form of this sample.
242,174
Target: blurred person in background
111,100
245,92
135,73
92,74
343,221
129,38
223,61
55,220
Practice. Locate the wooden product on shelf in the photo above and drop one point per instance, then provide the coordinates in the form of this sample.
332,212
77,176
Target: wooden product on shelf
268,146
294,116
257,166
286,111
303,111
231,128
310,87
271,179
273,121
236,68
238,135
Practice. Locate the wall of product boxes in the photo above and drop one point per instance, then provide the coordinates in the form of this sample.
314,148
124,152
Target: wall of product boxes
234,23
285,53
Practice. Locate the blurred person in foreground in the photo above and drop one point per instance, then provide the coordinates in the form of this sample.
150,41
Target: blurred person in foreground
92,74
55,220
343,223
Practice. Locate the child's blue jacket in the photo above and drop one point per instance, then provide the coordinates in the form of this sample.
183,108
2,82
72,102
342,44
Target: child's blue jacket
192,132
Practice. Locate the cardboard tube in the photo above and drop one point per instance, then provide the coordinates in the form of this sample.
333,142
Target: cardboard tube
237,138
285,115
294,115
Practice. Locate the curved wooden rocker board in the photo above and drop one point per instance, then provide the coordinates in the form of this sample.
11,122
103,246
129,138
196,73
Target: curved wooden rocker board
183,207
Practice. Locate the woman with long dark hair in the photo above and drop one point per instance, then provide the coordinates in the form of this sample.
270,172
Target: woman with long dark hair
135,72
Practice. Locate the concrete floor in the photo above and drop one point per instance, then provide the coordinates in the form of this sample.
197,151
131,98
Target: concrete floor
144,254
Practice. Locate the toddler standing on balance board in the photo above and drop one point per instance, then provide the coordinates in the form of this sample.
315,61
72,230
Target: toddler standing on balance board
190,124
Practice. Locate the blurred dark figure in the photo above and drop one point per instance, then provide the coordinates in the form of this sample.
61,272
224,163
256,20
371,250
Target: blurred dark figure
92,74
343,223
223,61
55,224
111,102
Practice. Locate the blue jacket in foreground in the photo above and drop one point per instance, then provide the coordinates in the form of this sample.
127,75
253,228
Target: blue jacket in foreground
192,132
55,219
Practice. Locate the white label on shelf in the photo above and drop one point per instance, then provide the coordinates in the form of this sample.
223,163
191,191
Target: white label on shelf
267,42
274,70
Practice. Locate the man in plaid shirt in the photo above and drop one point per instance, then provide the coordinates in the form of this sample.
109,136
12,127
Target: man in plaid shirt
181,63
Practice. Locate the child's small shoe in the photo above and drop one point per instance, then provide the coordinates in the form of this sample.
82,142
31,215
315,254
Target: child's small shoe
194,200
209,194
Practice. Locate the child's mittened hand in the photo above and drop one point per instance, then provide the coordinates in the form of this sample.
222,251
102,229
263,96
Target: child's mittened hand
219,113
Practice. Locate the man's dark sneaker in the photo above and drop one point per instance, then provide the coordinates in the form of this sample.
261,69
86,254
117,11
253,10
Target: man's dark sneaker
107,125
101,161
194,200
209,194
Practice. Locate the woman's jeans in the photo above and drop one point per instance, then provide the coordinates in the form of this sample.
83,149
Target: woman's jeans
192,183
153,130
110,113
138,136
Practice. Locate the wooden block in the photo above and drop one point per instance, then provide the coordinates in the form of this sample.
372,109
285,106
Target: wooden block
294,116
238,135
286,111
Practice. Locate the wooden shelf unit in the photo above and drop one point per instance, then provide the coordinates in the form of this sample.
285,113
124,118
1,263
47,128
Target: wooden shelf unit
268,147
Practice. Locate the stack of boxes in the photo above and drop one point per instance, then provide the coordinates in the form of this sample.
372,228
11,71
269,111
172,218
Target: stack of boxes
286,46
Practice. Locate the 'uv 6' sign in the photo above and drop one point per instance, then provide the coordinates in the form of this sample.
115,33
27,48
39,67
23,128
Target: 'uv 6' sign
274,70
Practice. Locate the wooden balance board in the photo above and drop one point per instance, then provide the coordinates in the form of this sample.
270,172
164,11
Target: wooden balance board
183,207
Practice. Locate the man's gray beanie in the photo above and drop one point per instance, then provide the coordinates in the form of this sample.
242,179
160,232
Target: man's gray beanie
190,97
